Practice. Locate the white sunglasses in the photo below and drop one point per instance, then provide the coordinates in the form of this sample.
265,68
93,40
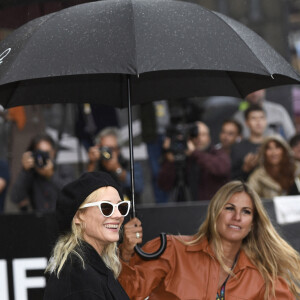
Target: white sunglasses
107,208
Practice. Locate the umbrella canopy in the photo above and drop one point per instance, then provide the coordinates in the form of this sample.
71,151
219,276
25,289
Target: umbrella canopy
125,52
85,53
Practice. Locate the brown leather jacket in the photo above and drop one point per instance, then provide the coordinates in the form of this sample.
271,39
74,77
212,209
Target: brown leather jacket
192,273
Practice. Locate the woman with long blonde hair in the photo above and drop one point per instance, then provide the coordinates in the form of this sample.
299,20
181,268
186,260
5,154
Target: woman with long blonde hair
236,254
85,262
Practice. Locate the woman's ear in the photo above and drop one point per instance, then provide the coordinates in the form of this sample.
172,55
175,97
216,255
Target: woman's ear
77,218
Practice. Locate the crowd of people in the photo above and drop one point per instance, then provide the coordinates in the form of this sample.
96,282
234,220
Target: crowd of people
258,145
257,157
202,167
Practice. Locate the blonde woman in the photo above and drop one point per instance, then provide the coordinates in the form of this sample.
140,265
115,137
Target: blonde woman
85,263
236,254
278,173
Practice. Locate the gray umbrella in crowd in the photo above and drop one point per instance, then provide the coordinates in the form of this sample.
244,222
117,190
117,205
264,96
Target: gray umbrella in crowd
126,52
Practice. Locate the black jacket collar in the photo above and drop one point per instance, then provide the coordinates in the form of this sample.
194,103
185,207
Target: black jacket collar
91,256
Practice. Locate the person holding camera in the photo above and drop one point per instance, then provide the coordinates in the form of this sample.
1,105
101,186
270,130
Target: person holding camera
40,180
106,156
202,167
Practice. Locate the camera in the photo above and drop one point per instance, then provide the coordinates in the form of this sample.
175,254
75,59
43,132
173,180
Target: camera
180,131
179,134
40,158
105,153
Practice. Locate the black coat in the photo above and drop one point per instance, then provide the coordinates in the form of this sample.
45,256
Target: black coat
95,282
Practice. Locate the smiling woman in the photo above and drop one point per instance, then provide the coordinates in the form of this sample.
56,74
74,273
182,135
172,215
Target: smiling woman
102,219
236,254
85,263
235,220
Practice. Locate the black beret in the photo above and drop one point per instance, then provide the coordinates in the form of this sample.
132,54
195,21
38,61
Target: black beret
74,193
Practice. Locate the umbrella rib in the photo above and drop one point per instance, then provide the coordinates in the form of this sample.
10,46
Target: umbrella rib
235,85
6,105
239,37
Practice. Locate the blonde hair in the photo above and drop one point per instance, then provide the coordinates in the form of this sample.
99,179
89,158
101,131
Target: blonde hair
71,243
270,253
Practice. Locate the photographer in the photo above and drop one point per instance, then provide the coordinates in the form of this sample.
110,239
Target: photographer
204,168
40,180
106,156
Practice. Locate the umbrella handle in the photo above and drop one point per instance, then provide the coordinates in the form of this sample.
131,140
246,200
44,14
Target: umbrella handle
156,254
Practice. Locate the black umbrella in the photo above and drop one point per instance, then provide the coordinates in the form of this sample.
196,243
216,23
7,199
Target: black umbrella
126,52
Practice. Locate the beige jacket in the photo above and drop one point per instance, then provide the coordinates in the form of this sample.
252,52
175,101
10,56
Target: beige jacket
265,185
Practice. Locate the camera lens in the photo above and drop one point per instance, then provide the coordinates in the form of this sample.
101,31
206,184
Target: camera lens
106,153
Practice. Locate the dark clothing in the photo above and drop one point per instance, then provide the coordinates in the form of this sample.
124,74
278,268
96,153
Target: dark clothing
42,192
238,153
154,150
205,172
148,123
88,124
4,173
154,121
93,282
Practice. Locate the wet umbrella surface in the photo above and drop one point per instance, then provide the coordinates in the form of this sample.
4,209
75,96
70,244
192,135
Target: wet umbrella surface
126,52
168,48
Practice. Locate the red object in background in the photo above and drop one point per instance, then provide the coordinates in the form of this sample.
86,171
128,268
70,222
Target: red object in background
12,17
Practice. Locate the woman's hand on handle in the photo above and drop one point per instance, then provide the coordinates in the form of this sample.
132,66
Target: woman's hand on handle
133,235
